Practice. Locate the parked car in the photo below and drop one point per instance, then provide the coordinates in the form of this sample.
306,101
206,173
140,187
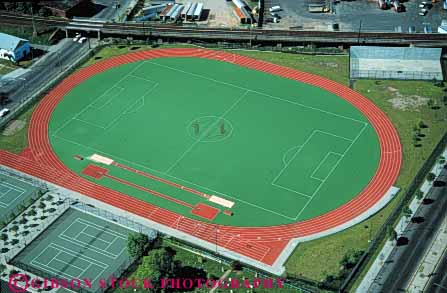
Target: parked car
423,12
275,8
4,112
412,29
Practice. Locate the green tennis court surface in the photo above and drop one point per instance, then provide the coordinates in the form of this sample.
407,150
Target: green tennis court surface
13,192
279,150
78,246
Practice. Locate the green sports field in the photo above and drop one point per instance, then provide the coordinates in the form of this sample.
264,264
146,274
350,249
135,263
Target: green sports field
280,150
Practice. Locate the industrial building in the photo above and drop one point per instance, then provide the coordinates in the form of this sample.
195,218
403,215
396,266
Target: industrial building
367,62
71,8
13,48
243,12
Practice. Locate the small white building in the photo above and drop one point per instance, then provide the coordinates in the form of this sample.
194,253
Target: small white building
13,48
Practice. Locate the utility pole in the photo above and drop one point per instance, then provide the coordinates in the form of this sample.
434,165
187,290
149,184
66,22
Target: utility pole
34,23
360,29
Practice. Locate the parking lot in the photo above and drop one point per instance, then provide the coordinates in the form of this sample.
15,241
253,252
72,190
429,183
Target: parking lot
357,15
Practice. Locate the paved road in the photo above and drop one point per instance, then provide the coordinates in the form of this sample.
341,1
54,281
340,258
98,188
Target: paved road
438,283
110,12
404,259
19,89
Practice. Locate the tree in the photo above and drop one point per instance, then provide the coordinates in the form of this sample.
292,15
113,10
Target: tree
407,212
430,103
431,176
392,234
422,124
236,266
14,229
136,244
158,263
2,268
419,194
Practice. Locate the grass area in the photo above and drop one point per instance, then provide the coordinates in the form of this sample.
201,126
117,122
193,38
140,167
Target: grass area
7,66
18,141
26,32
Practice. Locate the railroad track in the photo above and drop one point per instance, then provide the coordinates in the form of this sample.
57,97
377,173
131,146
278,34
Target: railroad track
227,33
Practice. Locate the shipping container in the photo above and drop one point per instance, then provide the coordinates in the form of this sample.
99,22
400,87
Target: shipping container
185,10
198,11
190,13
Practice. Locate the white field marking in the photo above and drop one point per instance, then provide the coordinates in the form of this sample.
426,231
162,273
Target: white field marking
143,78
16,188
43,251
17,179
173,177
94,100
6,192
52,271
86,269
113,241
335,135
292,190
297,147
87,224
332,170
4,204
261,93
142,99
206,131
59,252
71,224
131,106
114,96
294,156
91,248
67,263
110,124
76,255
114,233
92,236
321,163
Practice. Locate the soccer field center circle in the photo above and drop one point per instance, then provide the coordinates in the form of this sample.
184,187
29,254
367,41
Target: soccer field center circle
294,154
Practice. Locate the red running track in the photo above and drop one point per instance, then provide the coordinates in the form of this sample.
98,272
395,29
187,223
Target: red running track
263,244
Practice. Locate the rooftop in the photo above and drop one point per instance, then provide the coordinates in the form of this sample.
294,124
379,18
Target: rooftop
9,42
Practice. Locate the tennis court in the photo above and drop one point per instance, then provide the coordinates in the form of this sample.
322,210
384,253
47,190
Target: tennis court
78,246
13,192
176,132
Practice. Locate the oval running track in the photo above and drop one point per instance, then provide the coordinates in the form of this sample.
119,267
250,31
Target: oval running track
263,244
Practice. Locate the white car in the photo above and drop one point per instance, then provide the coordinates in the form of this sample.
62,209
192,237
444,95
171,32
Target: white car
77,37
275,8
4,112
82,40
